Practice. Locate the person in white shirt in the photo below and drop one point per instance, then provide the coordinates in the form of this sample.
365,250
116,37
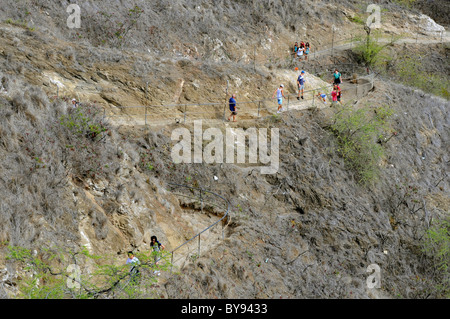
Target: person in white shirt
134,262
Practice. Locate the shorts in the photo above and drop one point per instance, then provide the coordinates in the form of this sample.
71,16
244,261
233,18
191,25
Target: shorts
280,100
301,87
339,98
337,81
233,113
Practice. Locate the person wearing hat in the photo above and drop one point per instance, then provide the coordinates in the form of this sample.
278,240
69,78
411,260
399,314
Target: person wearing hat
280,95
301,84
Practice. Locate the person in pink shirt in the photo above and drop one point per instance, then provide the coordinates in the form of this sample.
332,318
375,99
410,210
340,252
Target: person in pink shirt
334,95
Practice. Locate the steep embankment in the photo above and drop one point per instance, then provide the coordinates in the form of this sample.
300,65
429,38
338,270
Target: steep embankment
311,231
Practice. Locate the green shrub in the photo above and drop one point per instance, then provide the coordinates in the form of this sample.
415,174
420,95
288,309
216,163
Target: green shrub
409,70
372,53
358,133
437,246
84,129
356,19
47,274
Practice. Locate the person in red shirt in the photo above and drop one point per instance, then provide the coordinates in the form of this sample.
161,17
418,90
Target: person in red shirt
339,93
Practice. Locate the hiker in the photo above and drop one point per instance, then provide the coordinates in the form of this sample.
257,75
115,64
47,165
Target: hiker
337,77
334,93
306,50
323,97
157,247
74,103
339,93
280,95
134,263
301,50
295,49
301,84
233,111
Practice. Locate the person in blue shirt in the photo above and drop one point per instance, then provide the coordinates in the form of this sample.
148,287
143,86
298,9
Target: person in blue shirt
295,49
307,49
301,84
233,111
323,97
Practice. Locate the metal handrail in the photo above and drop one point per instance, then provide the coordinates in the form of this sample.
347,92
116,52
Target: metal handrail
207,228
256,102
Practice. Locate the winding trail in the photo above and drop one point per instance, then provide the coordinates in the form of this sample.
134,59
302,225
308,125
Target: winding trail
269,106
350,44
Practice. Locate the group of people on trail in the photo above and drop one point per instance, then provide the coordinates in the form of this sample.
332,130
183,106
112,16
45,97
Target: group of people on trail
134,262
301,50
336,93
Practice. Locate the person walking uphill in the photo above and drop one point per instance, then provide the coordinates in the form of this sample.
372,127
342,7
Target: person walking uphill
301,84
157,247
339,93
232,103
280,95
307,49
134,262
337,77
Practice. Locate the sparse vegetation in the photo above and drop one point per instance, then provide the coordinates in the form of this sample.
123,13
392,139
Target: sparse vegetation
371,52
358,132
437,247
409,70
70,178
54,273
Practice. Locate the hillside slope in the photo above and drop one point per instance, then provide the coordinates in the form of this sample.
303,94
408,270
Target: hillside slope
308,231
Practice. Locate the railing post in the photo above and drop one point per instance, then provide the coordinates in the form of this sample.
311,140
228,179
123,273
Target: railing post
356,87
254,59
224,111
198,245
145,107
314,97
225,106
146,101
259,107
201,200
332,44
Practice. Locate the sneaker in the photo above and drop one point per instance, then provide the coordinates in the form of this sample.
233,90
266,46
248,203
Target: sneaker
298,98
302,97
278,111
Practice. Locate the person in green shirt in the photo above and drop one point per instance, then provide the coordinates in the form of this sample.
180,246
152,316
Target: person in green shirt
337,77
